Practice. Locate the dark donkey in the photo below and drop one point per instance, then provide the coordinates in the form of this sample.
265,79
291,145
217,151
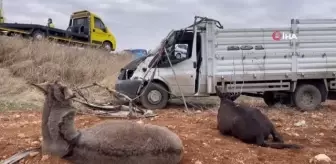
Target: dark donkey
247,124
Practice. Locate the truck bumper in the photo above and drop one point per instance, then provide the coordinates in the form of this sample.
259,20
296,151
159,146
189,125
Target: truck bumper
127,87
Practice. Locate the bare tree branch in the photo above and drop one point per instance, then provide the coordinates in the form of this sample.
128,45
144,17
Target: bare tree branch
114,111
20,155
114,91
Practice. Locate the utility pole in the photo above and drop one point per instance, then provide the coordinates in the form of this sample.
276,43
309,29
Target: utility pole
2,17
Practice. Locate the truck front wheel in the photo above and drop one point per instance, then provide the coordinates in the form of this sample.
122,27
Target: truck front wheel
107,46
38,35
154,96
307,97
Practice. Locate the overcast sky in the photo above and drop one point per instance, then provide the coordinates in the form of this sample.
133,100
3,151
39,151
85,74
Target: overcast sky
143,23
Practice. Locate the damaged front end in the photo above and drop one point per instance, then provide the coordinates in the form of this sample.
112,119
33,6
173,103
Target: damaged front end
137,73
128,82
127,87
124,84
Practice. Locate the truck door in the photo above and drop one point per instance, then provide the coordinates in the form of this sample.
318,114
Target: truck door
185,73
98,32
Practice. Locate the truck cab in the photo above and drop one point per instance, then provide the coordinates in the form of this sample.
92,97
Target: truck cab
171,69
2,18
88,23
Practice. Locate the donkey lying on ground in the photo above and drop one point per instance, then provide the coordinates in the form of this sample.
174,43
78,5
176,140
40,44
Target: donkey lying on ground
247,124
117,142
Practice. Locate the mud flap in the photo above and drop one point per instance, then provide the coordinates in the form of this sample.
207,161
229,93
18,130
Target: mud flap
128,87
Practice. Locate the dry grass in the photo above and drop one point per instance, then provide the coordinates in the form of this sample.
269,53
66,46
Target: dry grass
22,60
41,61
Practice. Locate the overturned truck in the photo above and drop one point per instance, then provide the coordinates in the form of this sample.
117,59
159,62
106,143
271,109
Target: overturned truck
293,65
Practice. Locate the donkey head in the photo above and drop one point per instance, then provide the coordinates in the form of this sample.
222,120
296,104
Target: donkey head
56,91
227,95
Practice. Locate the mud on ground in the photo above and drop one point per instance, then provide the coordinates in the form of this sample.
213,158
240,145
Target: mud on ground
203,144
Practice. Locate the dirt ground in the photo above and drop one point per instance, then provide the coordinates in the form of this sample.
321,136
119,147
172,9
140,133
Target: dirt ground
203,144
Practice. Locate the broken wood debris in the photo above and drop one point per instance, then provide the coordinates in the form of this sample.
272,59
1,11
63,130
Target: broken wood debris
116,111
112,111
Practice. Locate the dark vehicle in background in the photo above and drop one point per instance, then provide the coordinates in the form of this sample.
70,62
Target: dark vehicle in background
137,52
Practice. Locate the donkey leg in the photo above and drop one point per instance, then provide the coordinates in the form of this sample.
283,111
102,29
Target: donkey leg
260,140
266,137
276,136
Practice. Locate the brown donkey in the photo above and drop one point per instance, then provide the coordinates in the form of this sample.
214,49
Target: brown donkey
115,142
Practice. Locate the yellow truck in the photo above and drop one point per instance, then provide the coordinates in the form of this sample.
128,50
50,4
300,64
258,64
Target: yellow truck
85,28
2,19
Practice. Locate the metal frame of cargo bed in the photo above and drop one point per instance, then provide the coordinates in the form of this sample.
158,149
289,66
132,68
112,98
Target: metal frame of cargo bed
274,68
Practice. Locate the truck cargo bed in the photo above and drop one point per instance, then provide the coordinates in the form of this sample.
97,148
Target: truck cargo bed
251,54
51,32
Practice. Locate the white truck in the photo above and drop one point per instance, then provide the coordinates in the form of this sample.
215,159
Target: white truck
293,65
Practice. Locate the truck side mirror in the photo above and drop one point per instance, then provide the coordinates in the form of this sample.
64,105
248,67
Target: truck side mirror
181,51
104,29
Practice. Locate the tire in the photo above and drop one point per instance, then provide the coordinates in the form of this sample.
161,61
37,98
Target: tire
107,46
38,35
307,97
12,34
154,97
178,56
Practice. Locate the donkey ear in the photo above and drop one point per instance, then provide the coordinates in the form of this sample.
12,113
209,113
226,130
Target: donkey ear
62,92
218,92
234,96
68,93
42,86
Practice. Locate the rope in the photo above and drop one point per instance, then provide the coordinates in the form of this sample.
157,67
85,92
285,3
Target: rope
184,102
